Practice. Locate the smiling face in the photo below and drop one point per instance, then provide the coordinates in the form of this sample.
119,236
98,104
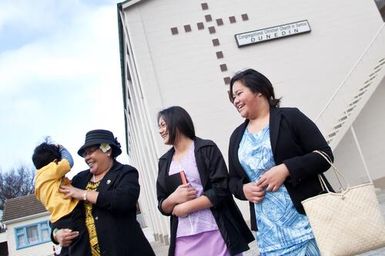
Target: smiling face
245,101
163,131
97,160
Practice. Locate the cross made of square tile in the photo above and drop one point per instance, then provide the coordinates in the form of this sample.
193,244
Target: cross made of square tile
211,27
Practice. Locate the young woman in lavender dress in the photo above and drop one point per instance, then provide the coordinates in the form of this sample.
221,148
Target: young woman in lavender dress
204,217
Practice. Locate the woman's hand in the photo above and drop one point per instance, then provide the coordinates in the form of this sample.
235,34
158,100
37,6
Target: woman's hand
274,178
183,193
253,192
70,191
65,236
181,210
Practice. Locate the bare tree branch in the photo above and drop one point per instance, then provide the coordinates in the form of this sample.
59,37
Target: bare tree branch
16,182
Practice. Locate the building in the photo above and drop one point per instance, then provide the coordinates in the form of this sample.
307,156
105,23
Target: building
325,57
3,237
28,232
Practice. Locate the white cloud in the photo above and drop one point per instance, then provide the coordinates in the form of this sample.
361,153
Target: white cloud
62,82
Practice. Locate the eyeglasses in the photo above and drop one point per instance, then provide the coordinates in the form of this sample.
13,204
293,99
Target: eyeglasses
89,151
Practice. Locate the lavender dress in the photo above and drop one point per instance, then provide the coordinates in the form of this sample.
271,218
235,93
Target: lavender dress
197,233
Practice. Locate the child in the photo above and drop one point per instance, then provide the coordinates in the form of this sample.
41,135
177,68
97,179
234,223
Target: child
52,163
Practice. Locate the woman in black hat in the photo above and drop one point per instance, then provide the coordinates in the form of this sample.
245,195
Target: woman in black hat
109,191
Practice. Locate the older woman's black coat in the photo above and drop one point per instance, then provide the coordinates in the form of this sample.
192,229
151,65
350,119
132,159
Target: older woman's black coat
114,213
214,177
293,138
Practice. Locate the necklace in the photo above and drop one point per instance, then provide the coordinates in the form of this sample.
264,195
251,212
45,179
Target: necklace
94,179
100,176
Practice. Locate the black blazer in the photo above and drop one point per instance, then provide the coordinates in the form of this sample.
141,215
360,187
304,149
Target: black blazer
214,177
293,138
114,213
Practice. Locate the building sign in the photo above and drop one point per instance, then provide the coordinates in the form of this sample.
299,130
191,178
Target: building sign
276,32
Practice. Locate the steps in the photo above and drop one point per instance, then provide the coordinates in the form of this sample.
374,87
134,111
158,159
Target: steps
354,91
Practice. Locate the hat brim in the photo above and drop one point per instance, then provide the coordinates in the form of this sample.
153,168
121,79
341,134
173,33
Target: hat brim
115,150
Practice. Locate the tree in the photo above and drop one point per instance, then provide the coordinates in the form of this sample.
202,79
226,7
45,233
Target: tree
16,182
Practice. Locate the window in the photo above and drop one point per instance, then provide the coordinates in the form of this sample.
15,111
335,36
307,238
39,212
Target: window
174,30
245,17
32,235
215,42
208,18
223,67
211,30
187,28
219,55
381,7
219,22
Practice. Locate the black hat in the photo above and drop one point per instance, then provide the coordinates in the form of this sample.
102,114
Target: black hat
97,137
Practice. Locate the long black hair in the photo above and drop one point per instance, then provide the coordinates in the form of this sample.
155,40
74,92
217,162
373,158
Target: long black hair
177,119
257,83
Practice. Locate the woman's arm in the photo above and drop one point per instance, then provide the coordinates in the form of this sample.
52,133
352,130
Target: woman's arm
124,193
236,181
239,185
122,196
309,138
197,204
182,194
80,194
214,168
272,179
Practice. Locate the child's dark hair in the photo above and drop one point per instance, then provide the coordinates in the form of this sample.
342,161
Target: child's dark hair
45,153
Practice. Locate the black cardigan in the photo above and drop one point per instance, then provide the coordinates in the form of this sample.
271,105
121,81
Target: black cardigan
115,211
214,177
293,138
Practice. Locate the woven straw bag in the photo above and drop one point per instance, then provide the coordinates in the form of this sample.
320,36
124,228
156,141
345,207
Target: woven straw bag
348,222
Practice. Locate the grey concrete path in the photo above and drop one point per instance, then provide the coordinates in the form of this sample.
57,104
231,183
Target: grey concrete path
161,250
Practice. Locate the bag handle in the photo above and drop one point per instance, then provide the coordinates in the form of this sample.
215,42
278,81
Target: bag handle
337,173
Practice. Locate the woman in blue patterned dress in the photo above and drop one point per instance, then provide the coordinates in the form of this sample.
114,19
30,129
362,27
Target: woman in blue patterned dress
272,165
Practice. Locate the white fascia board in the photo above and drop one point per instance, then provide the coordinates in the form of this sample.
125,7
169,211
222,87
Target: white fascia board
129,3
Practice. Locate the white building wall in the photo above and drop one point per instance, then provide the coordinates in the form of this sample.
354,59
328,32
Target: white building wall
304,68
183,69
3,237
369,128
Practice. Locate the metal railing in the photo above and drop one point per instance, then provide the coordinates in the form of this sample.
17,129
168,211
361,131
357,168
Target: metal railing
355,90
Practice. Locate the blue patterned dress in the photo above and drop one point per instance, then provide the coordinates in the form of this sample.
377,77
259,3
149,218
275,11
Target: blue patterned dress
281,229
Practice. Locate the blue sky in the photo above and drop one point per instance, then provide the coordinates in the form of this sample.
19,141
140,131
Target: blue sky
59,75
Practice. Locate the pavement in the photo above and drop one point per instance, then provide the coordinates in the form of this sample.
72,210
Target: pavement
162,250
